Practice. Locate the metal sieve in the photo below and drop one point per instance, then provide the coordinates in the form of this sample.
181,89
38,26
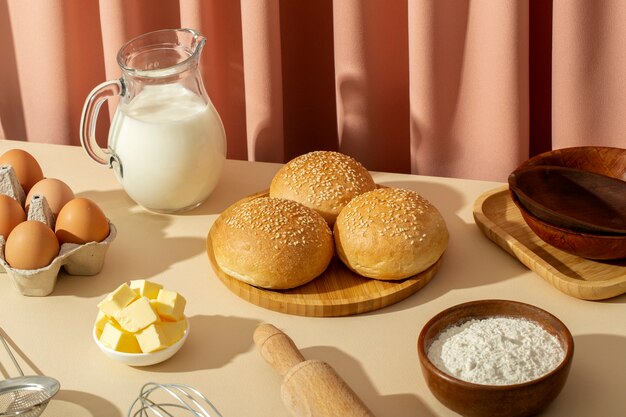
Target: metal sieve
25,396
169,400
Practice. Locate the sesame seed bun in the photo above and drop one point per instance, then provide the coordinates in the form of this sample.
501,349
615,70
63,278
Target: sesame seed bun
390,234
272,243
322,180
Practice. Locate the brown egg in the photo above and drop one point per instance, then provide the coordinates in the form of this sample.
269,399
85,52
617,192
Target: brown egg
81,221
31,245
57,193
25,166
11,214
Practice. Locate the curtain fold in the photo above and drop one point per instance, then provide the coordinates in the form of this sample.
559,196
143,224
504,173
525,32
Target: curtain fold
469,88
589,73
263,79
460,88
372,82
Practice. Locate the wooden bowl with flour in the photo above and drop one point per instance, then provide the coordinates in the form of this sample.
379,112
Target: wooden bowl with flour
495,358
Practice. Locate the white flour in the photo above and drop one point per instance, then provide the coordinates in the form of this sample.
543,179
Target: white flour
496,351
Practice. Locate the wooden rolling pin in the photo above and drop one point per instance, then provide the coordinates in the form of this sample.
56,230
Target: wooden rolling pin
311,388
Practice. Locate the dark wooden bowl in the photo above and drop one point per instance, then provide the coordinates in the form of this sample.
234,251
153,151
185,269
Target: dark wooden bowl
599,159
517,400
572,198
591,245
586,245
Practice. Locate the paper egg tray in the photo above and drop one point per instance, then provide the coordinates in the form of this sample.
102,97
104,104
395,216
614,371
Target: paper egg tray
87,259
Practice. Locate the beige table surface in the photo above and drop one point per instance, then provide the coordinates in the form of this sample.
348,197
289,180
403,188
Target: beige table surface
375,352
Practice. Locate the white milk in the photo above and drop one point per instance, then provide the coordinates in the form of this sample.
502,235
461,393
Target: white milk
171,147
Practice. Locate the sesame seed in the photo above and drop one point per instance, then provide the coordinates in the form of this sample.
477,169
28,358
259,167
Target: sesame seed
391,212
285,222
322,176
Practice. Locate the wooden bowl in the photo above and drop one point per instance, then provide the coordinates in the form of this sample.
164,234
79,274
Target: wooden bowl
586,245
599,159
572,198
591,245
470,399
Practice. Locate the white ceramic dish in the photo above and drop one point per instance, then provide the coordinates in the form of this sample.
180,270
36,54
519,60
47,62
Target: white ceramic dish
142,359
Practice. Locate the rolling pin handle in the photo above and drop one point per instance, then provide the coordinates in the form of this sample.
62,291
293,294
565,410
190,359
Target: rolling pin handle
277,348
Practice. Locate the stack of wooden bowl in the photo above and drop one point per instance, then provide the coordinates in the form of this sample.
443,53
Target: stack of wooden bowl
575,199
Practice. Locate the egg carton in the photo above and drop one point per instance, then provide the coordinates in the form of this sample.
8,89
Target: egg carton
86,259
9,184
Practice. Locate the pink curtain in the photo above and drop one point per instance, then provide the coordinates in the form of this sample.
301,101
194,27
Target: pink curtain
460,88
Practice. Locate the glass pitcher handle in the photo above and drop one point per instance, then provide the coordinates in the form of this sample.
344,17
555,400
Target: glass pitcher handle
94,101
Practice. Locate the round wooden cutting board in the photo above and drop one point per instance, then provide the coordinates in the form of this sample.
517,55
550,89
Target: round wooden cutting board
337,292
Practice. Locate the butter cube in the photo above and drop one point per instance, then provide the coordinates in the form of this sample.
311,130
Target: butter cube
119,340
137,315
152,338
170,305
101,320
117,300
174,330
145,288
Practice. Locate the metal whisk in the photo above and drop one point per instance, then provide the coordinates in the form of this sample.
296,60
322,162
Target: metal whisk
25,396
170,400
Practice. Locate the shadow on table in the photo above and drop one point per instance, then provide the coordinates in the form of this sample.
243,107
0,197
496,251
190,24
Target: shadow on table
81,404
140,236
398,405
214,341
66,402
597,378
621,299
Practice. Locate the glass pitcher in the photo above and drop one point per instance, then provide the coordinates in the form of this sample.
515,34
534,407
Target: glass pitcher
166,143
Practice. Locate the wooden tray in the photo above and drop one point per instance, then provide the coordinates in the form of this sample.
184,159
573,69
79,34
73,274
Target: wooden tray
500,220
337,292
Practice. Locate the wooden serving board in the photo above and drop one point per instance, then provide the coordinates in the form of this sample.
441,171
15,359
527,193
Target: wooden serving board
337,292
500,220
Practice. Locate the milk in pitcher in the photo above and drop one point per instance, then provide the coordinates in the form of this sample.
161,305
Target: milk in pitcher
170,146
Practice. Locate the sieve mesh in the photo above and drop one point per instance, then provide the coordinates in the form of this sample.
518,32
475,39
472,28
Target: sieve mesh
25,396
29,401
